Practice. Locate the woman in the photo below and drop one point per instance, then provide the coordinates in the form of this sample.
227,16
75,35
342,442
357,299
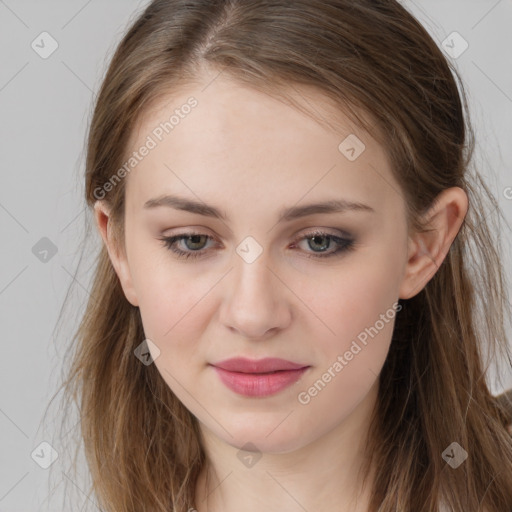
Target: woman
322,347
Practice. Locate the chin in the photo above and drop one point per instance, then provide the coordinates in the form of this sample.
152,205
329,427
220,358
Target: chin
266,437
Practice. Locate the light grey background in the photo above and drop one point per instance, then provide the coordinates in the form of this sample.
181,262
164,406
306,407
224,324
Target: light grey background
45,106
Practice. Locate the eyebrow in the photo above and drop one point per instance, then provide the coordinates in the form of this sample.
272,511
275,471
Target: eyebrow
285,215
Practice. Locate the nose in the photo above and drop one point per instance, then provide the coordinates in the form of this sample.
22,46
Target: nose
257,300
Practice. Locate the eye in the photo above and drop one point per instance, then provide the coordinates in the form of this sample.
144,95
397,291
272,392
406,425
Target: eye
193,240
317,240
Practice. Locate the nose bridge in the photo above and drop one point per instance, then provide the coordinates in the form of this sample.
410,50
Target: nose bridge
253,304
252,275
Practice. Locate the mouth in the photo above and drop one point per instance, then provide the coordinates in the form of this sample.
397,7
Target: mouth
259,378
260,366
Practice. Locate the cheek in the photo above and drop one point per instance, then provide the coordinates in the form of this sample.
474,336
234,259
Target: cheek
170,298
360,309
366,322
352,297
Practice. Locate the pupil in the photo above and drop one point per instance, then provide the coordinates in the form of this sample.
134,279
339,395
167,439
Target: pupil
194,239
316,237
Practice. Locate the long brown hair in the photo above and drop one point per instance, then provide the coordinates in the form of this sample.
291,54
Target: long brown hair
368,56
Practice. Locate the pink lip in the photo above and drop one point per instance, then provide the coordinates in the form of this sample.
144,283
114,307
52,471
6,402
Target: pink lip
266,365
262,377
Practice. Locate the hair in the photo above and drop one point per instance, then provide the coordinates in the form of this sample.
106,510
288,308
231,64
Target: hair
380,67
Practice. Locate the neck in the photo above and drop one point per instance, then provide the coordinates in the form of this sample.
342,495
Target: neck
322,474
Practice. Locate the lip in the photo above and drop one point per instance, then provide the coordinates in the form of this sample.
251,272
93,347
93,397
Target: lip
266,365
258,378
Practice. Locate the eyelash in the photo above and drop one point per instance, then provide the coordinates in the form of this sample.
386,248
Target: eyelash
346,245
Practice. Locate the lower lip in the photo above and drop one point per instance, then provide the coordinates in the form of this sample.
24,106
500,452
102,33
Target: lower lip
259,384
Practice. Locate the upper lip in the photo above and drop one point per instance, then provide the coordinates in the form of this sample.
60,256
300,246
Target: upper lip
266,365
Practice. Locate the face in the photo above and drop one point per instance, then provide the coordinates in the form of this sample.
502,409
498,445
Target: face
315,287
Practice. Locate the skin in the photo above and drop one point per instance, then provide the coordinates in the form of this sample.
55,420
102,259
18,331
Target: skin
252,155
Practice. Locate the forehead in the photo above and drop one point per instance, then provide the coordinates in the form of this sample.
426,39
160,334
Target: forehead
220,140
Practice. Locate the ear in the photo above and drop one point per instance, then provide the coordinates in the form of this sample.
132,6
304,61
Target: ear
428,250
116,253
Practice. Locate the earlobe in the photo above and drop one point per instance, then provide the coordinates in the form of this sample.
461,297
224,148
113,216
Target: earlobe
116,254
428,250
